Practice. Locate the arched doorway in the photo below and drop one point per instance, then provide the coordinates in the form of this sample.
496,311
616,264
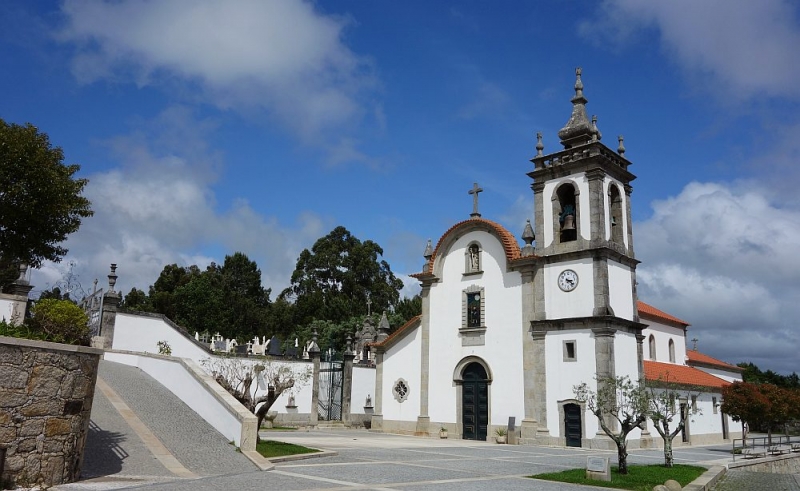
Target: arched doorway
572,425
475,402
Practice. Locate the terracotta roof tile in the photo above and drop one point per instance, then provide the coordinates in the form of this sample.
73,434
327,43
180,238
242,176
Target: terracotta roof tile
650,311
399,331
510,244
681,374
701,358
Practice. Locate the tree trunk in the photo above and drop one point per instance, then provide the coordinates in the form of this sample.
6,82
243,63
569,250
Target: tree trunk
622,457
668,452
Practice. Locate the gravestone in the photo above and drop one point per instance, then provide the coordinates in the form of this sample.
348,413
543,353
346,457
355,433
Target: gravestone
275,346
598,468
241,350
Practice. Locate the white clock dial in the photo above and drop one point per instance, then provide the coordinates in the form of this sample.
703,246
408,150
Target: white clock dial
568,280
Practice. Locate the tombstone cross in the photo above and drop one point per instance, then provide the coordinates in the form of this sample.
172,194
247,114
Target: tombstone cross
474,192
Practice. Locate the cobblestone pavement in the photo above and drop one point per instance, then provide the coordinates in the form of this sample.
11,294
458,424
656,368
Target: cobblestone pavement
116,458
741,480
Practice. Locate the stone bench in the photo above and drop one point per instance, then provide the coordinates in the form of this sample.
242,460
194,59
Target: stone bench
752,453
779,449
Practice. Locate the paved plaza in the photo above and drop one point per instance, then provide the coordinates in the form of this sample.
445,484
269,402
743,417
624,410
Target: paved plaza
117,457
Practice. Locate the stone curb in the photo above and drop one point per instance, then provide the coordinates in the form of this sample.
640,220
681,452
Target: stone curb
707,480
303,456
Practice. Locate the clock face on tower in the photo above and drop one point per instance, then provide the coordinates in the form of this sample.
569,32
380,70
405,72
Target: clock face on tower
568,280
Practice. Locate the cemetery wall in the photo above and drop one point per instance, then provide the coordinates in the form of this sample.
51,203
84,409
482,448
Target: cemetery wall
199,391
45,404
141,332
12,307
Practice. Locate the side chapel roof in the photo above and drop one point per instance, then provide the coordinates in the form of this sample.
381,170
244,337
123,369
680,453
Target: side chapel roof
399,332
701,359
652,312
510,244
657,372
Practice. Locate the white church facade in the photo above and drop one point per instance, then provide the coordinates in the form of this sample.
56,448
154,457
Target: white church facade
509,330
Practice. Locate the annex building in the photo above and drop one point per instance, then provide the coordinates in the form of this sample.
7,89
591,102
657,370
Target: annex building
508,329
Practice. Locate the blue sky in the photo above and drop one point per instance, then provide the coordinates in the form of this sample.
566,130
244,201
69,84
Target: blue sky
209,127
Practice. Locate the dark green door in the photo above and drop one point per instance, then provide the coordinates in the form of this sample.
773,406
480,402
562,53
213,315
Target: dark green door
475,397
572,424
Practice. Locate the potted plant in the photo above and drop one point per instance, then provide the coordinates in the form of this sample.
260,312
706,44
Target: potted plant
442,432
500,435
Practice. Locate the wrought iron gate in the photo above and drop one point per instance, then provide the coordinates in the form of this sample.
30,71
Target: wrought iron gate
329,407
93,307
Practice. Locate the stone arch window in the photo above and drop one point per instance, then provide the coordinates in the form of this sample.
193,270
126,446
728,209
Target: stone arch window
473,308
615,213
473,260
671,351
652,343
565,212
400,390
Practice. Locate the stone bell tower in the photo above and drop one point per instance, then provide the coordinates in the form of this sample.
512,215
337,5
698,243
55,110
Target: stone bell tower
584,276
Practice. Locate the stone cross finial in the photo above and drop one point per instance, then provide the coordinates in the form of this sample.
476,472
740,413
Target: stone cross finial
474,192
539,144
694,344
369,306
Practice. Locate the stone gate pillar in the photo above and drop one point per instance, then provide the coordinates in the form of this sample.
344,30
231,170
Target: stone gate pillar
314,353
347,381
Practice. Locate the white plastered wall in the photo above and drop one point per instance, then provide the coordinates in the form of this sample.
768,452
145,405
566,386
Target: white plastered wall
562,375
662,334
363,386
620,290
577,303
402,360
502,348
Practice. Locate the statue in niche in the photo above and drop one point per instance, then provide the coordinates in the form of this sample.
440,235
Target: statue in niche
474,258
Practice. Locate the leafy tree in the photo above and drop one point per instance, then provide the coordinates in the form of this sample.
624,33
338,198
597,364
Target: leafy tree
620,406
53,293
236,376
408,308
744,402
664,409
136,300
754,375
334,280
40,199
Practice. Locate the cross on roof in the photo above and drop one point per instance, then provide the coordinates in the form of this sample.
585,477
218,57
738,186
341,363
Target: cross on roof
474,192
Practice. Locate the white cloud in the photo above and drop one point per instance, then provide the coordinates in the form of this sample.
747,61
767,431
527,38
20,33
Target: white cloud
723,258
735,48
157,208
282,56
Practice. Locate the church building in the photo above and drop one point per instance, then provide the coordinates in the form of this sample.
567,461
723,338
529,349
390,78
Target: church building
507,330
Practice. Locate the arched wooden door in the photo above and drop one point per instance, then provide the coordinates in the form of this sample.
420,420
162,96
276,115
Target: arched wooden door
475,402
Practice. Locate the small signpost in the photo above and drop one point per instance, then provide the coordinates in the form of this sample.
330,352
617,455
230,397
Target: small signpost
598,468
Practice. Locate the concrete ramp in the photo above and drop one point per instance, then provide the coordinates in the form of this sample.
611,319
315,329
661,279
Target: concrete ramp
141,434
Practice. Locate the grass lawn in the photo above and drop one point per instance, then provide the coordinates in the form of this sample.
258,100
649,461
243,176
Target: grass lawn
639,477
270,448
278,428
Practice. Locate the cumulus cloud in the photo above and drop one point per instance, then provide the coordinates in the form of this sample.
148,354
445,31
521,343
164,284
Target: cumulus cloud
282,56
157,208
736,48
723,258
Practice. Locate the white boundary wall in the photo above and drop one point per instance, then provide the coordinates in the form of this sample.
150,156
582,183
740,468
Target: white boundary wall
199,391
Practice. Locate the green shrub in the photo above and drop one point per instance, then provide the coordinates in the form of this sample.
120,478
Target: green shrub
60,321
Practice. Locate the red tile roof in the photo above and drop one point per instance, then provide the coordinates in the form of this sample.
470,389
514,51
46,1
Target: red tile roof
680,374
399,332
650,311
703,359
510,244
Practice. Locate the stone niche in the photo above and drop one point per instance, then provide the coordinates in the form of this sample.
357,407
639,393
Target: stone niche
45,403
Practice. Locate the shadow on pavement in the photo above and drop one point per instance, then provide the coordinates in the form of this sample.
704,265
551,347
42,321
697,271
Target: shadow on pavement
103,455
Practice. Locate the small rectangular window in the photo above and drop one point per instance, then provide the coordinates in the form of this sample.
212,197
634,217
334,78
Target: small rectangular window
714,403
694,404
570,351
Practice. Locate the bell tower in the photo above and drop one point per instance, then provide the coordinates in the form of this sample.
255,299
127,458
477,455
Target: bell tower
582,292
583,217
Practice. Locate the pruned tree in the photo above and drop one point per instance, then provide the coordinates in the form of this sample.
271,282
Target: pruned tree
620,406
237,376
664,409
743,401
